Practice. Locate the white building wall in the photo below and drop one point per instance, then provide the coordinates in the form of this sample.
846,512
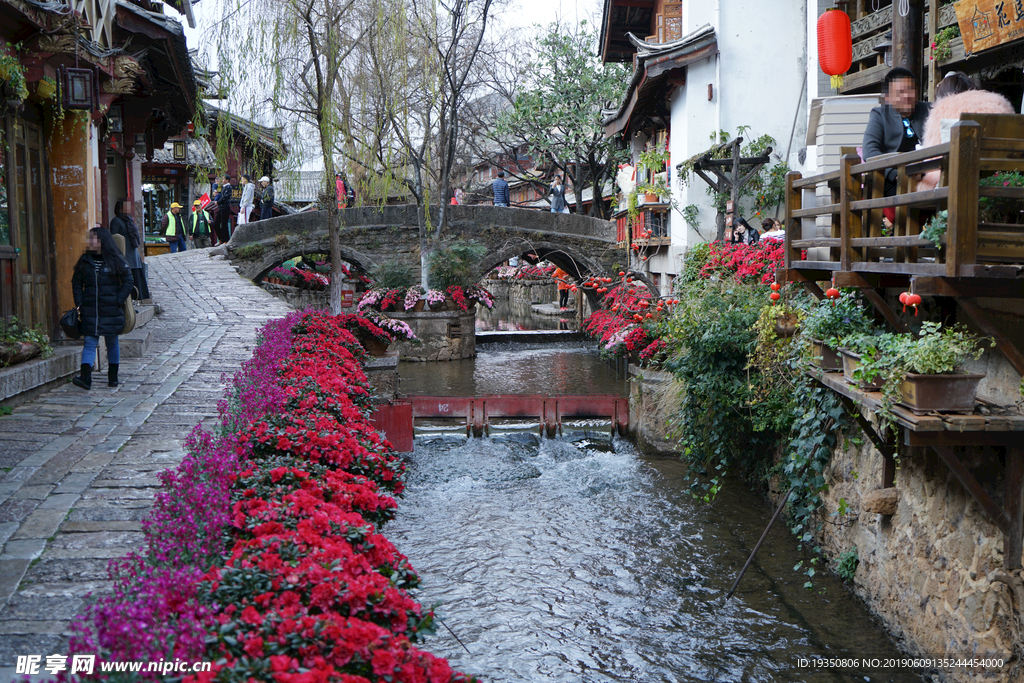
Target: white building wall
757,80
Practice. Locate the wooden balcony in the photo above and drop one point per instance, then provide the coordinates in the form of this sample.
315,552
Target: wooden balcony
980,146
974,259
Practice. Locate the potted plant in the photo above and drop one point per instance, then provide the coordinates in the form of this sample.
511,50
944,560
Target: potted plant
12,75
860,346
829,321
924,373
653,161
19,343
435,299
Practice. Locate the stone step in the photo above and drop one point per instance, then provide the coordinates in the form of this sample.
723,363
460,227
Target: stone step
26,380
135,343
143,314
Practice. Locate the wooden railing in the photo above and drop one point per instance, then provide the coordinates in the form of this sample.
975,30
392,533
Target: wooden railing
980,145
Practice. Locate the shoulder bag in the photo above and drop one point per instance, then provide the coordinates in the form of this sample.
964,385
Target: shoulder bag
71,323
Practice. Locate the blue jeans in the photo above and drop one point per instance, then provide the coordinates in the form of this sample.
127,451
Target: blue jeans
177,244
266,212
113,349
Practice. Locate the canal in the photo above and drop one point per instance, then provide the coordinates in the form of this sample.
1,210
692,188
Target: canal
580,559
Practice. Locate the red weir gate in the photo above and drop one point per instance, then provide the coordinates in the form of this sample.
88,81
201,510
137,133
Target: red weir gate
395,419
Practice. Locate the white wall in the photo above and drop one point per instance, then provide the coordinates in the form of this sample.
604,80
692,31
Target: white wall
757,80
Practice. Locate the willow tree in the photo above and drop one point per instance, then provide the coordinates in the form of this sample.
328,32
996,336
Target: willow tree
294,52
403,101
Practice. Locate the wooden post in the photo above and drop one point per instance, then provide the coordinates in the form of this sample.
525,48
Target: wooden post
1014,540
794,202
964,162
933,29
908,37
849,224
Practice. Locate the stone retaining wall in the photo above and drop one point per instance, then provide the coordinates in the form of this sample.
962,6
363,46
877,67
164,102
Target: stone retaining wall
928,569
651,404
522,291
301,299
443,335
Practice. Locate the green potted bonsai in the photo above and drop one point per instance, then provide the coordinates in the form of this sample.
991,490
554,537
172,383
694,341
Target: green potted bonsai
828,322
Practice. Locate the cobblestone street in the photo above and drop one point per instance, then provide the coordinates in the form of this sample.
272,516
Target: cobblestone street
79,468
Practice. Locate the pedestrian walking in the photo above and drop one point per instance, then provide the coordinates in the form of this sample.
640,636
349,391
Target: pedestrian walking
100,283
173,225
500,186
245,204
341,192
350,192
199,226
222,224
123,224
557,192
266,198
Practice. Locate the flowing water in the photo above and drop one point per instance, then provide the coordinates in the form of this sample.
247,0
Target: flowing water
579,559
517,315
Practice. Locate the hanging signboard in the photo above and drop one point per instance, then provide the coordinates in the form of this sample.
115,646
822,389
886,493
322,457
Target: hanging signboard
985,24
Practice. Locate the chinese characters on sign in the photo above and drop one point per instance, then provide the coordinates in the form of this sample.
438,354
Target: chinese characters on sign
985,24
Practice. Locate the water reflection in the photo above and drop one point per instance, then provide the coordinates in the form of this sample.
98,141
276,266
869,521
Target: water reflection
548,369
514,316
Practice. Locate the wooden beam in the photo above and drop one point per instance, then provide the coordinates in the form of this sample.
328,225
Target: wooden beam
1014,540
872,295
972,486
1007,347
967,287
954,438
813,289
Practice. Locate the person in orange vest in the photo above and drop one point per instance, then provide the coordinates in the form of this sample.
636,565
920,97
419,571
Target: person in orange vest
563,287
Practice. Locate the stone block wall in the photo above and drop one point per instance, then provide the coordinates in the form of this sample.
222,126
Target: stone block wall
522,291
443,335
652,402
928,570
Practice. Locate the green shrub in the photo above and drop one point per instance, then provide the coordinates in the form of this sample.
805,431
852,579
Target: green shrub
251,252
455,263
392,275
846,564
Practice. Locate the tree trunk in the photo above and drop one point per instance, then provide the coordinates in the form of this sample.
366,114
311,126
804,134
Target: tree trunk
334,223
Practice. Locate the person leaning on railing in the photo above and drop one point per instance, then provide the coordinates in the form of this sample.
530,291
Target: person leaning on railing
895,126
956,94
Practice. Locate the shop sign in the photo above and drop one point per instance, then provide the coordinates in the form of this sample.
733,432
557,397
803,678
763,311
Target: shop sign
985,24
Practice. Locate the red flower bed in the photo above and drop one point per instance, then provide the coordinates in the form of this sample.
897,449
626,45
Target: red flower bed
745,262
290,580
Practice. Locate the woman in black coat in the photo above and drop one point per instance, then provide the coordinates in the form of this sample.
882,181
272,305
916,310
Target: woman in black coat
101,282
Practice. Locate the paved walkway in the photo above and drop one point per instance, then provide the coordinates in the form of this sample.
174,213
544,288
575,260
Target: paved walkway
78,468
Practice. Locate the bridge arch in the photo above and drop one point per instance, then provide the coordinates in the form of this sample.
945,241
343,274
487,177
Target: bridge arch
371,236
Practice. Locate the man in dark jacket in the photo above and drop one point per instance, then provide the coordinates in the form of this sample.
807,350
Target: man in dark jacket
266,196
897,125
222,224
501,195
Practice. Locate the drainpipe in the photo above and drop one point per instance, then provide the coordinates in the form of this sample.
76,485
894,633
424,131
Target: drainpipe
718,68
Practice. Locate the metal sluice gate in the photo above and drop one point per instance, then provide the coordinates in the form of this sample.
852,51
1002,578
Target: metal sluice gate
396,419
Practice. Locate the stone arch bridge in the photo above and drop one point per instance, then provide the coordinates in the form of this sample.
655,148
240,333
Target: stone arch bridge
580,245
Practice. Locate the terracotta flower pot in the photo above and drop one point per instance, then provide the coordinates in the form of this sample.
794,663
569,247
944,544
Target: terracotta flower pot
825,356
851,361
437,307
419,306
373,346
943,393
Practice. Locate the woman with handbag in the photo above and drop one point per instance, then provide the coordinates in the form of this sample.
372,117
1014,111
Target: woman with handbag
101,282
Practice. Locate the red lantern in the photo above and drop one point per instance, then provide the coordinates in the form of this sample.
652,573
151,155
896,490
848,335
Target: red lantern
774,296
835,45
776,286
913,300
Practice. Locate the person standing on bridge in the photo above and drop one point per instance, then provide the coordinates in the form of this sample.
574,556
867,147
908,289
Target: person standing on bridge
245,204
222,223
501,195
266,198
100,284
557,192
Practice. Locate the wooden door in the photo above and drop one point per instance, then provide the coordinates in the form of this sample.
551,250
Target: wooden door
8,252
31,236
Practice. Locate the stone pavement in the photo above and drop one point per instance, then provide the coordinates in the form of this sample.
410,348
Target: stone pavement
78,469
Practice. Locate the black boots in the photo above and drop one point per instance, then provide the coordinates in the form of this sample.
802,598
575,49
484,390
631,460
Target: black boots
112,374
84,380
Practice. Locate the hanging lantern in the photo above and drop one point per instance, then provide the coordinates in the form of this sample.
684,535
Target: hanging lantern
835,45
